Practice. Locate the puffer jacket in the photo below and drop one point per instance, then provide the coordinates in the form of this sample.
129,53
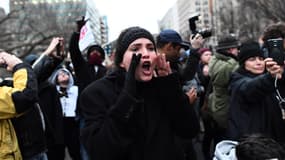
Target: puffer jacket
13,102
30,133
220,69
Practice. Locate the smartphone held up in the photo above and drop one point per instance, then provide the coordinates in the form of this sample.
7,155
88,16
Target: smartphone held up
60,48
275,50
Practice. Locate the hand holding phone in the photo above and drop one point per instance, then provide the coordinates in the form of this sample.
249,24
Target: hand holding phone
58,48
276,50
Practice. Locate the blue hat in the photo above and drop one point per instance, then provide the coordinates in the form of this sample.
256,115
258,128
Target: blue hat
169,35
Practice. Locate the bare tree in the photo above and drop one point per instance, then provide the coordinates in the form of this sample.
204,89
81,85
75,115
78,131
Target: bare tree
249,18
273,9
5,34
257,15
29,28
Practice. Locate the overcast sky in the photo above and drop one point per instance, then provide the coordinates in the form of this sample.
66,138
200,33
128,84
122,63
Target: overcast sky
5,4
125,13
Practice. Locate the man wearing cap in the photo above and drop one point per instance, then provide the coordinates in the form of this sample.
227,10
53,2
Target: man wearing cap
170,43
221,66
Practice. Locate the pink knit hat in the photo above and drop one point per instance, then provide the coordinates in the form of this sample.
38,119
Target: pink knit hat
203,50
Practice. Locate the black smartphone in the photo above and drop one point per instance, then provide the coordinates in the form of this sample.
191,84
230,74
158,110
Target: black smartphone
276,50
58,48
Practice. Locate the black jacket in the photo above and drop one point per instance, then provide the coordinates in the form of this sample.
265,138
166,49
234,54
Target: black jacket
254,107
85,73
187,70
29,126
49,100
122,127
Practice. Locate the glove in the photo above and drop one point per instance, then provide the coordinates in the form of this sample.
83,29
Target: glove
80,23
130,81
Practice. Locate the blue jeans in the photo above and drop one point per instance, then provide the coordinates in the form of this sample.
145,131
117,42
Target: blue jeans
83,151
40,156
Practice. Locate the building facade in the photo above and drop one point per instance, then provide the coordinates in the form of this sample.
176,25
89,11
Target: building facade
177,17
98,23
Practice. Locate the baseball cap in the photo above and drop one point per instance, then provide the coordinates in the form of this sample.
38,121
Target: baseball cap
169,35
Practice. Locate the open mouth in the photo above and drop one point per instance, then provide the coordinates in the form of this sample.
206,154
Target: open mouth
146,65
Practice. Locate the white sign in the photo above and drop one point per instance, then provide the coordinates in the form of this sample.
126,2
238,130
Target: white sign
86,37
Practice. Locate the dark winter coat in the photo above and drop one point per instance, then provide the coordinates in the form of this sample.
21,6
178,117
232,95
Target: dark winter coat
221,66
122,127
49,100
29,127
85,73
51,107
17,103
254,107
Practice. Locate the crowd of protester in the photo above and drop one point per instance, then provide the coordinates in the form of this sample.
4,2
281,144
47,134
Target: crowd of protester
223,102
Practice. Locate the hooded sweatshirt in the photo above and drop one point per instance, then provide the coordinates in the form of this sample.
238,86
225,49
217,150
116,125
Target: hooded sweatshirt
225,150
69,99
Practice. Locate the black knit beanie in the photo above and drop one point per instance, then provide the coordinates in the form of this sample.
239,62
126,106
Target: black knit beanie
126,37
248,50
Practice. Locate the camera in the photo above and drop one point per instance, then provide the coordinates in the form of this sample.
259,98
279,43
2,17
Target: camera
275,50
194,84
205,33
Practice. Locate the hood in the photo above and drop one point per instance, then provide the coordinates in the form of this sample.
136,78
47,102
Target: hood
225,150
52,78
